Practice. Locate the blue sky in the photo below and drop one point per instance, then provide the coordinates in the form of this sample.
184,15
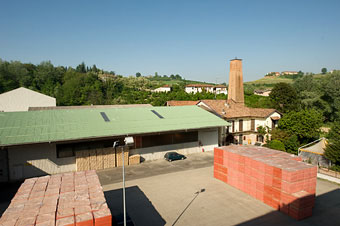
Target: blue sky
195,39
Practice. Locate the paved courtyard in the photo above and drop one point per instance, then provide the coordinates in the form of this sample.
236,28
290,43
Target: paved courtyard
163,193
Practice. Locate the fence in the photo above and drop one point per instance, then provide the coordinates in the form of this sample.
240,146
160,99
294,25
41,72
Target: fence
329,172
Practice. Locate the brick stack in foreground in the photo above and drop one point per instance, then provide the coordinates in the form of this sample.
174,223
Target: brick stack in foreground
276,178
75,199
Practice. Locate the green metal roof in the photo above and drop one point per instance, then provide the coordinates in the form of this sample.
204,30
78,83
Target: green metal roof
61,125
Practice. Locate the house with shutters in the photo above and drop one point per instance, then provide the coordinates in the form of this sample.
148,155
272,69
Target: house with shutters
244,121
162,89
198,88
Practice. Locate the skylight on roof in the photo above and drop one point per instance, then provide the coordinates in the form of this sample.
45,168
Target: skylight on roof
106,119
156,113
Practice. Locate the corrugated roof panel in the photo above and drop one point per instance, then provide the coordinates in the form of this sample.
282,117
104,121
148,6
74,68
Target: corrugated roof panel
58,125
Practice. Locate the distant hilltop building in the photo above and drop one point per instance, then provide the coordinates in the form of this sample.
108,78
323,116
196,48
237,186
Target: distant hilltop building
198,88
162,89
21,99
273,74
289,73
276,74
264,93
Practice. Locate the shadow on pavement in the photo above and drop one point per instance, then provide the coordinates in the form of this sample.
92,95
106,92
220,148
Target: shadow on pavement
138,206
7,192
325,212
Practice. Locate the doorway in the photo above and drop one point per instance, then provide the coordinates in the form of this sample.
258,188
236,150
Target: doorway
3,165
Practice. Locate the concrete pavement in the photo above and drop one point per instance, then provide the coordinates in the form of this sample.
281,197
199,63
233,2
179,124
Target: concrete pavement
169,199
158,167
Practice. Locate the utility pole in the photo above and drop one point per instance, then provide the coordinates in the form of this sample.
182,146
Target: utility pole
124,207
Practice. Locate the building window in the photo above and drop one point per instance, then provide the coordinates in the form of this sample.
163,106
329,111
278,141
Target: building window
240,139
259,138
233,126
240,125
252,125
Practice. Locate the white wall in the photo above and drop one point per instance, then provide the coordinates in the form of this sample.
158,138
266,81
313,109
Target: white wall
158,152
221,90
269,120
162,89
21,99
258,122
36,160
41,159
208,138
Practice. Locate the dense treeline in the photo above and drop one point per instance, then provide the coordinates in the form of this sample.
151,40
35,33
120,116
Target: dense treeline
89,85
307,104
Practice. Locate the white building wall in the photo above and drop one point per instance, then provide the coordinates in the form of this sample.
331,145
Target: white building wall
158,152
162,89
258,122
41,159
221,90
21,99
190,89
37,160
269,120
208,139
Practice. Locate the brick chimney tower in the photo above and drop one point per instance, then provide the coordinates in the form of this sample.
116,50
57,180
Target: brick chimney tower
235,90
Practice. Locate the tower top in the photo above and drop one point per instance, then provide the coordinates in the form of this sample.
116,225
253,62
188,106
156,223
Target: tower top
235,59
235,91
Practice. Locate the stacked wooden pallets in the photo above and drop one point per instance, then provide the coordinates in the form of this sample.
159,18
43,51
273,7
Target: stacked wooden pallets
62,199
276,178
134,159
95,159
109,158
119,154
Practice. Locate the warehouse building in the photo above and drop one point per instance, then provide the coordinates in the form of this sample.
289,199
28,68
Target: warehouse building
21,99
36,143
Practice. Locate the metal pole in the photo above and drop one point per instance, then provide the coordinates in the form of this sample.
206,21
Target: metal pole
124,208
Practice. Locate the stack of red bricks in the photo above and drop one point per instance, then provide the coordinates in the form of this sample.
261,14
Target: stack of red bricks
61,200
276,178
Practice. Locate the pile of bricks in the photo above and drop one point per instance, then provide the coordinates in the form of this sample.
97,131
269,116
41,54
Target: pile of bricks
61,199
276,178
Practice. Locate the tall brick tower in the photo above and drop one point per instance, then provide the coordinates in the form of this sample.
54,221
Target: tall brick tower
235,90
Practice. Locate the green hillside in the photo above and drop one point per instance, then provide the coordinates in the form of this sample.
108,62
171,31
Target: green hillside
267,82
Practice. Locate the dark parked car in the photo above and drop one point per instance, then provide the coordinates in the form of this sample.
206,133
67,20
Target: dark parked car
171,156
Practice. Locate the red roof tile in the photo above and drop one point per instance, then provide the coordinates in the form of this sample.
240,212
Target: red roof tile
182,102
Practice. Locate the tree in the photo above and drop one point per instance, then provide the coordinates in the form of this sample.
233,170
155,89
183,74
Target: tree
305,124
81,68
284,97
94,68
332,151
324,70
331,95
276,144
292,144
334,132
138,74
178,77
